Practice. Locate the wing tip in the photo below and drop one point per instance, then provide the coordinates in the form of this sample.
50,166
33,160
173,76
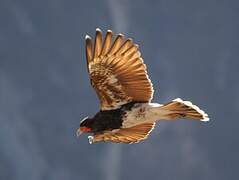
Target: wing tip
87,37
136,46
130,40
120,35
98,29
109,33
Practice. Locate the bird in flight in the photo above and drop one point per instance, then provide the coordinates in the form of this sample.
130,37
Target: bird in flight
118,75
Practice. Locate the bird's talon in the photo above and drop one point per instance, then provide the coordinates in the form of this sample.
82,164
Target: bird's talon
91,139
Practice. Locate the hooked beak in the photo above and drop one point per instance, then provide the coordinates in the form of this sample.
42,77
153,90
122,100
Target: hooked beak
82,130
79,132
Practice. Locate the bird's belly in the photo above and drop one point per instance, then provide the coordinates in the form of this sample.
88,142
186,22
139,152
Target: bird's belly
140,113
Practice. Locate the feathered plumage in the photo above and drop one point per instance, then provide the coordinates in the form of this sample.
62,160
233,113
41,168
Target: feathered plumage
117,71
119,76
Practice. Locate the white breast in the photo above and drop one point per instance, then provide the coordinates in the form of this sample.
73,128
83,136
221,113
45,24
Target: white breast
141,113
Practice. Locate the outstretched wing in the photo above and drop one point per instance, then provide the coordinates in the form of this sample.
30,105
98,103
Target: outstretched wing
117,71
126,135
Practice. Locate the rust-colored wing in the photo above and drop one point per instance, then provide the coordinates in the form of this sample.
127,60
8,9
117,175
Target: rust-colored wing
117,71
127,135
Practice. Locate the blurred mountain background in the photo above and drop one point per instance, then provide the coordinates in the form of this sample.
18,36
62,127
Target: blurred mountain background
191,49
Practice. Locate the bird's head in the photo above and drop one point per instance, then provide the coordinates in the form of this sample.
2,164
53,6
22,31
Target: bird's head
85,126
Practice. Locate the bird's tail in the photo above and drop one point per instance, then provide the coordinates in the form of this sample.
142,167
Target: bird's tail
183,109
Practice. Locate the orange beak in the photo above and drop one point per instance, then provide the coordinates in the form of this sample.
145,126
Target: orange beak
82,130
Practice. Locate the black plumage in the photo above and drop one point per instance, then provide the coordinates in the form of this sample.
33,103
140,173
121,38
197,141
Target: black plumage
107,120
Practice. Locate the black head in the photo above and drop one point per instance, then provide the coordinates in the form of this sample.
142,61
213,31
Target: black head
86,122
85,126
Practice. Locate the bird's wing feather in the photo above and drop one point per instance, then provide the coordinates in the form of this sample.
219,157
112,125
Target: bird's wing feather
126,135
117,71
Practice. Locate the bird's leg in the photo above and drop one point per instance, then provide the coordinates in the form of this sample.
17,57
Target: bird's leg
91,139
